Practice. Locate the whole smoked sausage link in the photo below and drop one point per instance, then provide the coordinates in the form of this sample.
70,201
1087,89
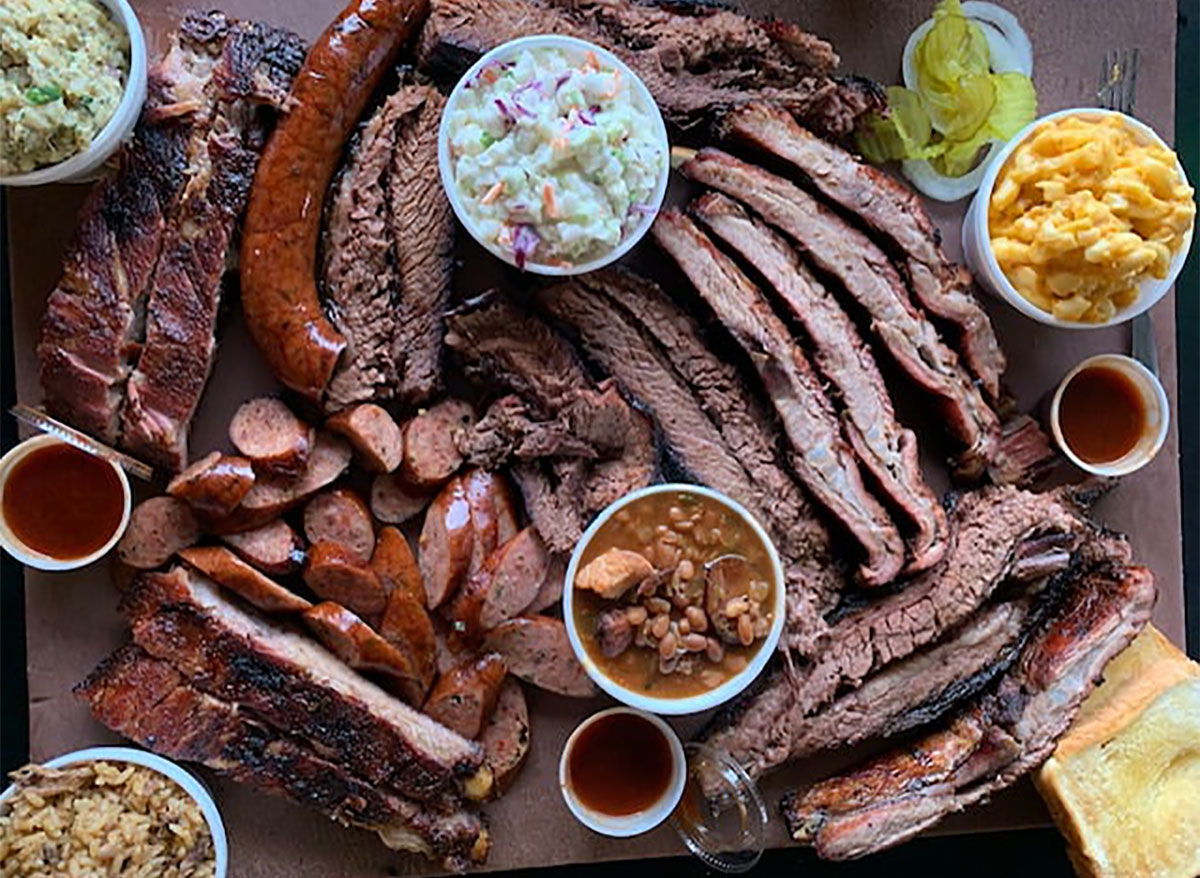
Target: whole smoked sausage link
279,241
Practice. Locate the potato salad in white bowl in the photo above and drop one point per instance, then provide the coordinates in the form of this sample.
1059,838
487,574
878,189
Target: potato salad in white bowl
553,154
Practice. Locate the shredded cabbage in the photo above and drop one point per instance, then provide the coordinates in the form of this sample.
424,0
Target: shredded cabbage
959,105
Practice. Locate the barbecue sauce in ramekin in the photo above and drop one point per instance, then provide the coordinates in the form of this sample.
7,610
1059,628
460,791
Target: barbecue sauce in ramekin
1102,414
620,764
63,502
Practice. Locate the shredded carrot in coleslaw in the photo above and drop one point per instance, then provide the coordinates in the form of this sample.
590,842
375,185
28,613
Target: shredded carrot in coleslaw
549,201
492,194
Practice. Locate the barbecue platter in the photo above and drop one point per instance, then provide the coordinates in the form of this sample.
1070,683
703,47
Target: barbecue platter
351,599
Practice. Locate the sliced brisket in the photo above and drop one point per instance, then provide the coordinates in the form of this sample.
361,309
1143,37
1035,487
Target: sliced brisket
423,234
696,61
837,248
149,701
359,270
1005,733
228,131
749,432
500,345
240,656
893,210
887,450
611,338
771,729
822,459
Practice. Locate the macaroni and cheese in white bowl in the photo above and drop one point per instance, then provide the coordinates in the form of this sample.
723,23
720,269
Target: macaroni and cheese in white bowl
1083,220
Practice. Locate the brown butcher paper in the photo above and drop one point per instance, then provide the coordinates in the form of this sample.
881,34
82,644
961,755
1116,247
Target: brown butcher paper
72,621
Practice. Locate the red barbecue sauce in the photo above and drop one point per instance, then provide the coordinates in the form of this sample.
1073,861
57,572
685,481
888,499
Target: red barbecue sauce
1101,414
620,764
63,502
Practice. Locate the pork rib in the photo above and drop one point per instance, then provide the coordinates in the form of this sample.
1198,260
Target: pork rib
148,700
822,458
887,450
228,131
893,210
837,248
696,61
93,324
1005,733
241,656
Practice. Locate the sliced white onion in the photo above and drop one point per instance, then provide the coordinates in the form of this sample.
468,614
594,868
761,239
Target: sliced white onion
938,186
1004,24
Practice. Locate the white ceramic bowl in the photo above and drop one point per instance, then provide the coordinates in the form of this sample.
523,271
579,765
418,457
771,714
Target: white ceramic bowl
82,167
692,703
175,772
641,94
32,557
977,246
1158,416
626,825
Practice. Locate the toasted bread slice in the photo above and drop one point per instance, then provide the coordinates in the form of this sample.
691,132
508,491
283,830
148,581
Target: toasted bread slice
1123,784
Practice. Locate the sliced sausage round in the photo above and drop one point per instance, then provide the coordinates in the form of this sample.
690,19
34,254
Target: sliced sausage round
273,548
517,570
376,437
394,501
551,589
272,496
408,627
269,433
463,699
158,528
227,569
214,485
431,454
481,497
341,516
334,574
537,649
444,547
396,566
506,735
359,646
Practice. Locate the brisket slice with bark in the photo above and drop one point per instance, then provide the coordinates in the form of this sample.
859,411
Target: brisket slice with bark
892,210
821,458
298,687
229,131
697,61
612,339
1005,733
423,234
998,534
359,264
887,450
746,427
93,325
148,700
840,250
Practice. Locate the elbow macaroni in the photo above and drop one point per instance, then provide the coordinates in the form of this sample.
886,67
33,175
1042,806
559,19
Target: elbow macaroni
1083,212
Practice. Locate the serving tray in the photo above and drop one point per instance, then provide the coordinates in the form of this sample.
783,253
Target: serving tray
71,619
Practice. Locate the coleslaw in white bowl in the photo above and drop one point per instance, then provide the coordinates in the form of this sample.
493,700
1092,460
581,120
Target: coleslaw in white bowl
553,154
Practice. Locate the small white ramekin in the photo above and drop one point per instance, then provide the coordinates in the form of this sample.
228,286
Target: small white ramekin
692,703
1158,416
641,93
977,242
32,557
81,167
186,780
625,825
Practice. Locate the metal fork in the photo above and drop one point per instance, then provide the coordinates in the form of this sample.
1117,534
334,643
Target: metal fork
1118,91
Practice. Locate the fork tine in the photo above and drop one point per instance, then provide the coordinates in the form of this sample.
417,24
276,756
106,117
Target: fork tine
1131,75
1123,93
